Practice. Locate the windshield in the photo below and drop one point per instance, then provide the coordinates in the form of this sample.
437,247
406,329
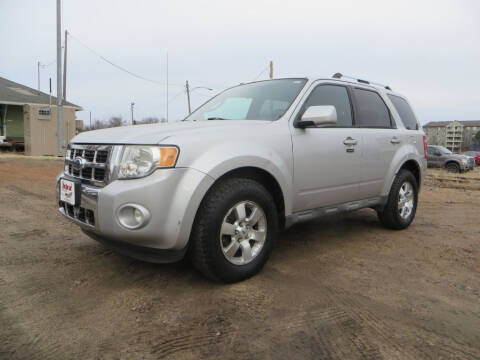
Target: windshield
444,150
263,100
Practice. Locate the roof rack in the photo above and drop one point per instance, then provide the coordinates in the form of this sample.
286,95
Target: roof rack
339,76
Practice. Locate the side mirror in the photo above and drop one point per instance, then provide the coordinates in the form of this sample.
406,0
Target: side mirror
318,116
438,154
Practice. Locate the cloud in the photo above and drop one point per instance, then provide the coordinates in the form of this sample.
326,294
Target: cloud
426,50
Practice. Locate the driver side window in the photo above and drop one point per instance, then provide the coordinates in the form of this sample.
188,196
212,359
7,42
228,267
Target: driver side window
332,95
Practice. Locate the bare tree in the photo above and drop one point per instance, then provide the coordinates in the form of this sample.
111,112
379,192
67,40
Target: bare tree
149,120
115,121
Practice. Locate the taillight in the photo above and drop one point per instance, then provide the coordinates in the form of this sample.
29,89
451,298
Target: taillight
425,146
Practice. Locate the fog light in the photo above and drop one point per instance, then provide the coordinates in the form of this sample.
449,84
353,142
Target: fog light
133,216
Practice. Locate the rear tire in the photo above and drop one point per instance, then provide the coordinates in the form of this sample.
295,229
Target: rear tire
401,206
230,240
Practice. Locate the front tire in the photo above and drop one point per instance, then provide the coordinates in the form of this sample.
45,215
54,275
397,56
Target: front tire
234,230
401,206
453,167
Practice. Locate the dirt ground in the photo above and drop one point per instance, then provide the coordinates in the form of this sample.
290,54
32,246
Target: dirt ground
341,287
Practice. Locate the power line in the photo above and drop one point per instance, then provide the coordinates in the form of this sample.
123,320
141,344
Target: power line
118,66
176,95
264,70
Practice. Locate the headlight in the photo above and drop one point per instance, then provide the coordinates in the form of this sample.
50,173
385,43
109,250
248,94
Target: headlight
139,161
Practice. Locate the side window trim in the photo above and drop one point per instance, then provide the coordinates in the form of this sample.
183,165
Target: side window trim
350,99
392,124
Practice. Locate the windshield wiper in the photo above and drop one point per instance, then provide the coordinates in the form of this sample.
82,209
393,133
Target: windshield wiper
216,118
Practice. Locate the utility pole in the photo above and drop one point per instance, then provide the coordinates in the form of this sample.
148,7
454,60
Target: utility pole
65,81
131,110
59,81
65,68
90,120
38,75
188,97
271,69
167,86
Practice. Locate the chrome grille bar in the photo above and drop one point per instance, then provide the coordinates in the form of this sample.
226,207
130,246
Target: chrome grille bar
95,163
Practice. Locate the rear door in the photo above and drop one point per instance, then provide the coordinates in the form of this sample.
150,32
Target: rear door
327,159
380,138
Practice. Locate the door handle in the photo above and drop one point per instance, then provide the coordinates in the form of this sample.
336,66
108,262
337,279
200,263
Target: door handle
395,140
350,141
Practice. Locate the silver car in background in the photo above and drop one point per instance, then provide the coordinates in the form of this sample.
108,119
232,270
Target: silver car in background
254,159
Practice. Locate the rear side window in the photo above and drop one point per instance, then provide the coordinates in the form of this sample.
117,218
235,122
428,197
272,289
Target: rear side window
371,110
332,95
405,112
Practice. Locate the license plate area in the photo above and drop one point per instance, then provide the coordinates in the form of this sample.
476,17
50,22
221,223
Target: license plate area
70,192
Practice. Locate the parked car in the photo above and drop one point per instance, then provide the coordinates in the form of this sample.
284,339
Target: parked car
253,160
475,155
441,157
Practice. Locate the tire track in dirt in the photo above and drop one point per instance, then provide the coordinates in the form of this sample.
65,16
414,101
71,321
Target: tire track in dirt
24,192
377,327
333,332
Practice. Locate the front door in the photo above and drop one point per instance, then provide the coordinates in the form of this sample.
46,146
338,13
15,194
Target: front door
327,160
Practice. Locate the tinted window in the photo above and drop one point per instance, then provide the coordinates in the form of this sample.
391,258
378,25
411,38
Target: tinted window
431,150
332,95
405,112
371,110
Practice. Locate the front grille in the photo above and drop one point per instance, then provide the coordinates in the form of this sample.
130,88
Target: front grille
95,158
79,213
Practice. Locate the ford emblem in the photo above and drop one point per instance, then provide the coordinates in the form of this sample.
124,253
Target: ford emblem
79,163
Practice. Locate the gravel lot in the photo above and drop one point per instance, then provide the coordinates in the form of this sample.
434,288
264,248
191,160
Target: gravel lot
341,287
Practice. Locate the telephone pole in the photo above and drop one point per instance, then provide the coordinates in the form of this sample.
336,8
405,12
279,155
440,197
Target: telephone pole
59,81
188,97
189,91
65,68
271,69
131,110
167,86
65,81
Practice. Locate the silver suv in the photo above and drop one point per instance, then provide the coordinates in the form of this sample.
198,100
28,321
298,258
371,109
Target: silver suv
258,157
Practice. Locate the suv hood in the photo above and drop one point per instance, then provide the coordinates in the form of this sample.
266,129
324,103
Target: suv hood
457,156
159,133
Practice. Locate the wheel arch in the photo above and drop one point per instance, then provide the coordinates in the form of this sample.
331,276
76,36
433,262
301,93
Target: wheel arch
409,163
414,167
263,177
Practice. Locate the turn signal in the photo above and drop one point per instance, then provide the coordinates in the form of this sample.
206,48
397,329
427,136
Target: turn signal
168,156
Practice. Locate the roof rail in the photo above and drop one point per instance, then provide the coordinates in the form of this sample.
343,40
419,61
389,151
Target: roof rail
339,76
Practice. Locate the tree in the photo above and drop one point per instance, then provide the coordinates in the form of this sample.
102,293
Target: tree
149,120
115,121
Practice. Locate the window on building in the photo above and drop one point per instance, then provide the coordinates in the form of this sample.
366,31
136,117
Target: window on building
43,114
372,111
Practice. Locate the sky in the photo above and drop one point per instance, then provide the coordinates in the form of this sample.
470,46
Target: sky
427,50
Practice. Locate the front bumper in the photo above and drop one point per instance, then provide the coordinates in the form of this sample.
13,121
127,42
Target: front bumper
172,196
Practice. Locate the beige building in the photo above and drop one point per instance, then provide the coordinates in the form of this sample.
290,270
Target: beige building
29,123
456,136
